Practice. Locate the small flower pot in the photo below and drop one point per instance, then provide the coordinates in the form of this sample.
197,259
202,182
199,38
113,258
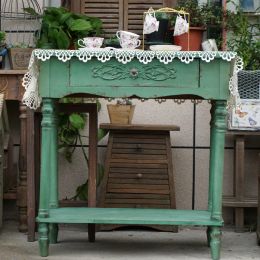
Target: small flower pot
121,114
20,57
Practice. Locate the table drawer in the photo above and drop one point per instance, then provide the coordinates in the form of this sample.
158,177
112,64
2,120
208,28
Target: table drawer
139,146
133,74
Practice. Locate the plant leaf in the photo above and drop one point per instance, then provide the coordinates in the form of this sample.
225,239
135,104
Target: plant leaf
62,39
102,133
65,17
77,121
80,25
82,191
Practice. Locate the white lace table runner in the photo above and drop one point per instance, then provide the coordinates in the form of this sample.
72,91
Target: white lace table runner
32,98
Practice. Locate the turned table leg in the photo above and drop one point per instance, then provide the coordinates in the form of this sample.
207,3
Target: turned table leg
43,239
48,178
218,129
53,201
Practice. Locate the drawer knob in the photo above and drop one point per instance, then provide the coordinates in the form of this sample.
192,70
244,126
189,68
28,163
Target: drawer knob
139,175
134,73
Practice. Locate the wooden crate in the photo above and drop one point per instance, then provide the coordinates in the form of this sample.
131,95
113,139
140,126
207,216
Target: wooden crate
19,58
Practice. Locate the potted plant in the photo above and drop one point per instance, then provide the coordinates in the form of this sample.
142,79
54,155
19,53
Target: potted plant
61,28
121,112
199,17
19,56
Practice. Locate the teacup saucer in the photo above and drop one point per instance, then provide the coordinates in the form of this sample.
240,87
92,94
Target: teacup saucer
87,49
127,49
165,48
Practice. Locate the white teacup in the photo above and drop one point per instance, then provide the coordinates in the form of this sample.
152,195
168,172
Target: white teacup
150,23
91,42
128,40
209,45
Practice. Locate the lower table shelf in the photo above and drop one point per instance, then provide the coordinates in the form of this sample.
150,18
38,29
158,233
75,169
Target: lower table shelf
130,216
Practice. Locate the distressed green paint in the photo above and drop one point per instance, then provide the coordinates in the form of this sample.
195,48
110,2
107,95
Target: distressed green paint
53,233
43,239
131,216
197,78
46,160
53,202
215,235
217,75
217,156
212,150
58,79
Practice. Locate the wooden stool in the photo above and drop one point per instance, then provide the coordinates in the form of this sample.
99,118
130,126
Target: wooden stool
138,169
239,200
33,158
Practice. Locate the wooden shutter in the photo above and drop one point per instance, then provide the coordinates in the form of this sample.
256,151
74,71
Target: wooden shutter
109,11
133,13
119,14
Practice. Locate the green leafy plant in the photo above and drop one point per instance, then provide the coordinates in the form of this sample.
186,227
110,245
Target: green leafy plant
244,37
70,137
61,28
2,37
199,16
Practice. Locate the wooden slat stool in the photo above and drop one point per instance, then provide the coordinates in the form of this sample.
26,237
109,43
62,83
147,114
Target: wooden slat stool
138,169
239,201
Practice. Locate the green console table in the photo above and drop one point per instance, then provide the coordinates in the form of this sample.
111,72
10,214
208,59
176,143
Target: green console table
143,74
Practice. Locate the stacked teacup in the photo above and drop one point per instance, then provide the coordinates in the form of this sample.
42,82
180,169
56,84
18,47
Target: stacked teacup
91,42
128,40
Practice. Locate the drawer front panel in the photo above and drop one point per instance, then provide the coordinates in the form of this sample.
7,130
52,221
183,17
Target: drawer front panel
133,74
138,178
139,146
